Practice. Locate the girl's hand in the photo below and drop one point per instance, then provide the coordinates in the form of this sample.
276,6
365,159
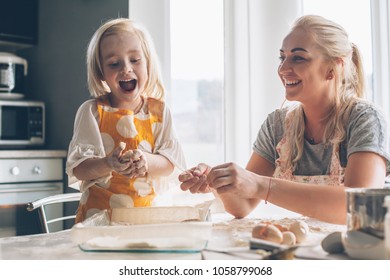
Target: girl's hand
114,159
195,179
136,162
130,164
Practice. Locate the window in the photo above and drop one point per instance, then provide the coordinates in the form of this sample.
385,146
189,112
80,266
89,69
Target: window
357,24
197,78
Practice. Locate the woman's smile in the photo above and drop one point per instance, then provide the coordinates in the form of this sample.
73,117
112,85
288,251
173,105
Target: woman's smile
291,83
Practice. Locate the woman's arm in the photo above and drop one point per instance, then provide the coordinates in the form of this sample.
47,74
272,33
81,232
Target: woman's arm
328,203
246,189
241,190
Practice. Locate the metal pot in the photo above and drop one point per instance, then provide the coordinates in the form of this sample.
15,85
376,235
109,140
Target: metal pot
13,72
366,211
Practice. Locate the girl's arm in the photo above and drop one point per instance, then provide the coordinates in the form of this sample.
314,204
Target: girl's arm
158,165
153,164
92,168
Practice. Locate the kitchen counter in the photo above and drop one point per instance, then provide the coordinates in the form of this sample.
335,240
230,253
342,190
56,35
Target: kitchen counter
228,234
32,154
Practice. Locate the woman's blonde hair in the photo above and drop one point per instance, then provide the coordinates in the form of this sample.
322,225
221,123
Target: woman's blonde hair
333,41
96,85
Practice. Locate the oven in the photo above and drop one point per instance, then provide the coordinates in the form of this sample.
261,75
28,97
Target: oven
23,180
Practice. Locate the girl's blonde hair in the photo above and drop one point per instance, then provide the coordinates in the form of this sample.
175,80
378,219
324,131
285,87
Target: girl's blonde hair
96,85
333,41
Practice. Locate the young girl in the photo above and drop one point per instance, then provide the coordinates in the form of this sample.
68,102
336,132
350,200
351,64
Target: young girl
124,146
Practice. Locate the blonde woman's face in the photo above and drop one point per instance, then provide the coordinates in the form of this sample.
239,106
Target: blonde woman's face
303,70
124,68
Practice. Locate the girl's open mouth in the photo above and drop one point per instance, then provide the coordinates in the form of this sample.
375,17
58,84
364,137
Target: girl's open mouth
128,85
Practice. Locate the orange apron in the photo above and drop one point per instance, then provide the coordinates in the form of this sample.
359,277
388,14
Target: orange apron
121,125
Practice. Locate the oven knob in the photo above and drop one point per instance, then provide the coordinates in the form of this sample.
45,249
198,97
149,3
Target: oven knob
15,170
37,170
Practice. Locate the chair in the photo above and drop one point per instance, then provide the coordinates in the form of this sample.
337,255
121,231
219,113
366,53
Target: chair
44,203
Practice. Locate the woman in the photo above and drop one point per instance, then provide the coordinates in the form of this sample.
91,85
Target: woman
306,155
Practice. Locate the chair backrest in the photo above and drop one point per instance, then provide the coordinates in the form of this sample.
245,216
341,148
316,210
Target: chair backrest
42,205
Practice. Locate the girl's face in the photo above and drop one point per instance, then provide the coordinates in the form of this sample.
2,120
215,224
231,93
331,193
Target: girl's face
124,68
305,74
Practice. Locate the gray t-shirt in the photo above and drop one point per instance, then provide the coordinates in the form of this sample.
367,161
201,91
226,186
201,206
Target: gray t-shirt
366,132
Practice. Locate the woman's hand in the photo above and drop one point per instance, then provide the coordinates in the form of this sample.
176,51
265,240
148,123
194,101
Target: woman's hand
231,178
195,179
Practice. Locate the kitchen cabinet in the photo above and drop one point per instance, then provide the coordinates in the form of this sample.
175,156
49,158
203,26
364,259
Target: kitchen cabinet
19,22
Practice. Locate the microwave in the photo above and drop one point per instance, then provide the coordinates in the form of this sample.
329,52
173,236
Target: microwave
22,123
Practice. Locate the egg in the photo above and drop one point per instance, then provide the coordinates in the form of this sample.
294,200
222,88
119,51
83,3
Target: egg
300,230
267,232
282,228
289,238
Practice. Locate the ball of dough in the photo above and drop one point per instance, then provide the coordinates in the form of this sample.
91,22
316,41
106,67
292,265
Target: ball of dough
122,145
131,156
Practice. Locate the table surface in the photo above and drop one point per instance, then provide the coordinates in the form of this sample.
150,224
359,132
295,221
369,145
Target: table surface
228,234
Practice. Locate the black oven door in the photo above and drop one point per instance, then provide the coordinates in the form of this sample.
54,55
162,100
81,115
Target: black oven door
14,217
16,220
14,123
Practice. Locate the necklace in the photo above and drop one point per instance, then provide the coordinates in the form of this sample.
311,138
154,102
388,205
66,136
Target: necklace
318,136
311,141
310,137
